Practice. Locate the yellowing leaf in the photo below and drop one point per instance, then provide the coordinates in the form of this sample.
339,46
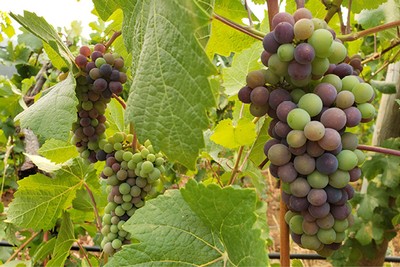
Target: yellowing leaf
230,136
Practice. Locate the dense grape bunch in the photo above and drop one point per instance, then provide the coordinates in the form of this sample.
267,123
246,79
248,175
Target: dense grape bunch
313,93
131,176
101,76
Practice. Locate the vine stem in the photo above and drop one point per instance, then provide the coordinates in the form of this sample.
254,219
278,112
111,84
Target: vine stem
378,149
84,253
22,247
236,167
348,23
120,100
273,9
375,56
247,30
356,35
96,212
5,161
112,39
284,234
333,8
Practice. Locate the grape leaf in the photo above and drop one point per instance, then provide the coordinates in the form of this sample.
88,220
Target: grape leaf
105,8
257,155
174,231
39,200
230,213
58,151
115,117
224,39
357,6
170,91
43,163
244,62
42,29
371,18
53,114
43,250
65,239
230,136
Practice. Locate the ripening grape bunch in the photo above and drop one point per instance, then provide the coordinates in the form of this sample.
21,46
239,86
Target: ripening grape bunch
311,90
102,75
131,176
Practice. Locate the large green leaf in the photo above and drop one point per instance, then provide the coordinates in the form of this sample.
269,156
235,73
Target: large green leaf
257,155
233,136
244,62
170,92
42,29
58,151
53,114
357,6
105,8
199,226
230,212
224,39
65,239
39,200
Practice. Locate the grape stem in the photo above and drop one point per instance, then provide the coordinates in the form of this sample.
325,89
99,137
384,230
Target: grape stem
357,35
378,55
244,29
333,7
120,100
378,149
246,6
236,167
84,253
273,9
134,141
300,4
22,246
112,39
96,212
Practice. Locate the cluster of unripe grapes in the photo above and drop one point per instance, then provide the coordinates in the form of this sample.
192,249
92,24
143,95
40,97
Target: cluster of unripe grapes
312,90
102,75
131,175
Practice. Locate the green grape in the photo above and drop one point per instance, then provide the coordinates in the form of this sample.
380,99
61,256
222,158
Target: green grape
119,137
135,191
126,206
159,161
339,179
326,236
286,52
314,130
363,92
154,175
296,94
341,225
131,211
367,110
277,66
295,224
144,152
340,236
303,29
122,175
116,244
115,220
289,215
296,138
107,219
113,229
319,66
255,78
147,167
298,118
119,211
271,78
334,80
349,82
118,155
112,180
129,138
141,182
108,171
124,188
311,103
317,180
151,157
110,207
122,233
127,156
108,248
339,53
117,146
127,198
347,160
310,242
87,105
321,40
99,62
137,157
105,230
108,148
360,156
132,164
139,204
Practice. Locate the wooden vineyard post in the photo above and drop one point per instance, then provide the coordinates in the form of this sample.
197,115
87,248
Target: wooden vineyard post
284,235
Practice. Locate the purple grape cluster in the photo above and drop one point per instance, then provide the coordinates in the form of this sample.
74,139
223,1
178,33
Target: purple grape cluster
102,75
313,96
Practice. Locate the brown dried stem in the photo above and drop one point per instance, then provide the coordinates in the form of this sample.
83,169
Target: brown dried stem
378,149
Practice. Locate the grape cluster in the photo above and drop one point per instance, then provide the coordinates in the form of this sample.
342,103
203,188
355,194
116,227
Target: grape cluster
130,176
312,90
101,76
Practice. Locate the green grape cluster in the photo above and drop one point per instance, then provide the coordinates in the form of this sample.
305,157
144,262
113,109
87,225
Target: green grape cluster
313,93
131,176
102,74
